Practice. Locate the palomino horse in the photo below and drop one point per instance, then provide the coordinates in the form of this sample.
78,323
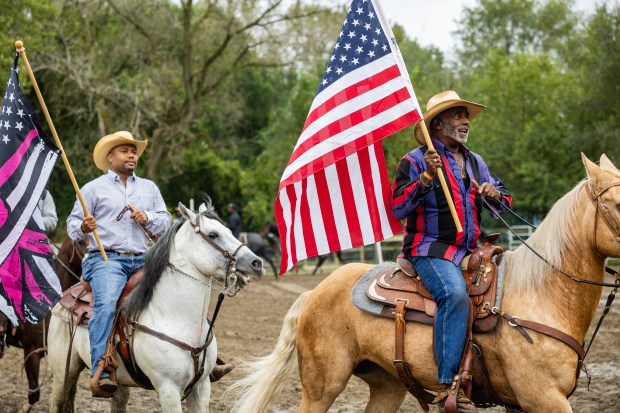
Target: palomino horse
32,337
189,260
334,340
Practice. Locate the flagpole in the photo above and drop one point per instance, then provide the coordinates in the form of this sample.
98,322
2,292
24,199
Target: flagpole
19,45
442,180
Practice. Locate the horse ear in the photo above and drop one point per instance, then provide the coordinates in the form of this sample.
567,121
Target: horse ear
187,214
591,168
607,164
202,209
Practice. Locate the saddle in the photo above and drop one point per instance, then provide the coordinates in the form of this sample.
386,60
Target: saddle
401,282
79,299
405,298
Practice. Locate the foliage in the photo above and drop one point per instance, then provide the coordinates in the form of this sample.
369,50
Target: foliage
222,88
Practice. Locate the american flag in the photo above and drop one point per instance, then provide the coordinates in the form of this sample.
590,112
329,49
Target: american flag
334,193
29,286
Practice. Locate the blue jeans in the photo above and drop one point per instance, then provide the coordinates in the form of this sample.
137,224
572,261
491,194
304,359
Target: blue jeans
445,282
107,279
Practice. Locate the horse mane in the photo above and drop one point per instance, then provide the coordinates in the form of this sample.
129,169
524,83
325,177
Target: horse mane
554,239
155,262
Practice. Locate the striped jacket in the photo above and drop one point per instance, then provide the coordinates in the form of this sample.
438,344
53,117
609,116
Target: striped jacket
429,227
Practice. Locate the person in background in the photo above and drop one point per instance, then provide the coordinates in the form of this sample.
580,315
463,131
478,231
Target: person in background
48,211
233,222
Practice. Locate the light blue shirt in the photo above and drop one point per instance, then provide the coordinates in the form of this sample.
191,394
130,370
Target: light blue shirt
105,198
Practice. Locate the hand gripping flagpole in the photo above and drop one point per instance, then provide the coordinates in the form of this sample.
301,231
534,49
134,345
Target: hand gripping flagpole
19,45
442,180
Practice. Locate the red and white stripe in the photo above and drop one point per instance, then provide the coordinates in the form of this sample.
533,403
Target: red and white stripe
334,193
343,206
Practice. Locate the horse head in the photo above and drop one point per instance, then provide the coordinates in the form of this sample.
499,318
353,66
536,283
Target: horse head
604,190
211,247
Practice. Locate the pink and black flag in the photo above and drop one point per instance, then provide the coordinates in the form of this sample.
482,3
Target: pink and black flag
29,286
334,193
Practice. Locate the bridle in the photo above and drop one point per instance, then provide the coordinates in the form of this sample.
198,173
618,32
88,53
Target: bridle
231,257
607,218
602,207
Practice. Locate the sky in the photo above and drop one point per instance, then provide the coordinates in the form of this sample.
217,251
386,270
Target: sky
421,18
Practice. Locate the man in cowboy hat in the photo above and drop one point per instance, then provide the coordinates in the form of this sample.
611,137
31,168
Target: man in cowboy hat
431,241
125,210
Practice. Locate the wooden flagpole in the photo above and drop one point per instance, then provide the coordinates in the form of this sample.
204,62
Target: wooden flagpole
442,180
19,45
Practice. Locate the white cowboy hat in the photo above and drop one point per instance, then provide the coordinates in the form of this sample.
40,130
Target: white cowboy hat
109,142
439,103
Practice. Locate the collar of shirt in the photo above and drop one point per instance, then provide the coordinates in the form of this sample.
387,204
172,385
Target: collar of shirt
113,176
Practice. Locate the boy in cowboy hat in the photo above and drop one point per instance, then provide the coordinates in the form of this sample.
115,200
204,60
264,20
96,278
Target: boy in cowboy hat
431,241
125,209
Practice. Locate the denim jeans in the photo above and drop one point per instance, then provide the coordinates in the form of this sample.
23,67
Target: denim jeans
445,282
107,280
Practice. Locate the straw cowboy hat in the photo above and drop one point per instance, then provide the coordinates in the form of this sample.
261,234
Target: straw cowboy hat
439,103
109,142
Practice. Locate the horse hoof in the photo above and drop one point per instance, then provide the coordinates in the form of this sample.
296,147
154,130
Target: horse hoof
33,398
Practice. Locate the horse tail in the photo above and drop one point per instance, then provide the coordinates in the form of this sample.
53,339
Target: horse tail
264,377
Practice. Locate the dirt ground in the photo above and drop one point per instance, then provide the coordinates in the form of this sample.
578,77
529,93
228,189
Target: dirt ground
249,324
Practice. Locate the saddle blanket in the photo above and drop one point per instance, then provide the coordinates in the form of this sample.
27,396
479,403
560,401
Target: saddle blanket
362,302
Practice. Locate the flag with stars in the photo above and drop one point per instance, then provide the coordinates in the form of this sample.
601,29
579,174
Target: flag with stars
334,193
29,286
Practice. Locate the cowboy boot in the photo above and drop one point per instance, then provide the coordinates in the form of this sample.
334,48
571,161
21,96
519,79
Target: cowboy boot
220,370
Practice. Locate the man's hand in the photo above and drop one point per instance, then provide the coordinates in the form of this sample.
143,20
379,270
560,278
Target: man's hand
139,216
88,224
433,161
489,192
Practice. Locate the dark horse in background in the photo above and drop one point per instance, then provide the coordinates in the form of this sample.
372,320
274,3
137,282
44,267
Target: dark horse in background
265,244
32,337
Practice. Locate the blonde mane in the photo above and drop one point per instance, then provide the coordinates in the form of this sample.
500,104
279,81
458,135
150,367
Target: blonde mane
554,239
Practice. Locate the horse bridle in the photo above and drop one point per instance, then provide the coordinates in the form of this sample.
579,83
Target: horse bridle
231,257
602,207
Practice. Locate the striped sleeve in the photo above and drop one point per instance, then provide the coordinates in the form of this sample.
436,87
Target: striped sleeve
407,190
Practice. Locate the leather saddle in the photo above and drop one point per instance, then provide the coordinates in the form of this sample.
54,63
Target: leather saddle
400,282
80,300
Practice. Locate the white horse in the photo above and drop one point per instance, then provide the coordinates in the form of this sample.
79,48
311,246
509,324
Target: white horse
189,260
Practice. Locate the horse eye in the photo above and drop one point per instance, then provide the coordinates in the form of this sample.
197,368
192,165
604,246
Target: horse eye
212,235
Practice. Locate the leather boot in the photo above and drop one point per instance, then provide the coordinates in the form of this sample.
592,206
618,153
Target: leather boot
220,371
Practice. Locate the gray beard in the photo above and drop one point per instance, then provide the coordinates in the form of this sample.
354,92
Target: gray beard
453,133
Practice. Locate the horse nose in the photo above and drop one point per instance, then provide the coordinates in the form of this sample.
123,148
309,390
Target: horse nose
257,265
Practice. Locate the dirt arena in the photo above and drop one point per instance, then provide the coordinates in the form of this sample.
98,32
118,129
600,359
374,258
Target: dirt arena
248,325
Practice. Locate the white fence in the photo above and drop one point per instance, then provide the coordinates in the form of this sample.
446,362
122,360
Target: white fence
523,231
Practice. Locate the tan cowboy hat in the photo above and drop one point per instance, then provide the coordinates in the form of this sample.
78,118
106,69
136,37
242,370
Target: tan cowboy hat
109,142
439,103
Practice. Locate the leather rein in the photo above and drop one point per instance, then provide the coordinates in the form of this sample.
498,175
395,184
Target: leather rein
195,352
550,331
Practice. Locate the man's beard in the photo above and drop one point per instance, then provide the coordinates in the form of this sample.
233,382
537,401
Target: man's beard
453,133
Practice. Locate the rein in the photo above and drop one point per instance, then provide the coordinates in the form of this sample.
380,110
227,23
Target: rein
615,227
572,277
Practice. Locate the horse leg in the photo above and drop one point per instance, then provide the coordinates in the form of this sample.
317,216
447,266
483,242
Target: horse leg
32,362
320,260
63,392
169,397
386,392
198,399
325,367
120,399
64,386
